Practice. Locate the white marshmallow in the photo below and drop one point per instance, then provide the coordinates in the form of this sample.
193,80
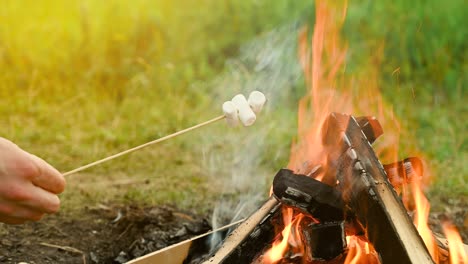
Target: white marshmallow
256,101
246,115
230,111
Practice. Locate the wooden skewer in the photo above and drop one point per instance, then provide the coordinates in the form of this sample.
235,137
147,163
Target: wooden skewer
143,145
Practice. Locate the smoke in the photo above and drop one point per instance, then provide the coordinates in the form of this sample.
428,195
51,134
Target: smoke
237,160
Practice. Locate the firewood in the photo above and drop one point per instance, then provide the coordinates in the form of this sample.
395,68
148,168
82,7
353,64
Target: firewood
368,192
371,127
325,241
444,251
250,238
310,196
404,172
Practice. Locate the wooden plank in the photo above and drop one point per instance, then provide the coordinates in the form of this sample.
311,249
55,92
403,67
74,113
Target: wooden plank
368,192
244,243
172,255
177,253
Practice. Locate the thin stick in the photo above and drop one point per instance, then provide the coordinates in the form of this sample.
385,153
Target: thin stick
66,248
143,145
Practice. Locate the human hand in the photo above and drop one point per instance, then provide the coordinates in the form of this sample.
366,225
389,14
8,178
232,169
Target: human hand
28,185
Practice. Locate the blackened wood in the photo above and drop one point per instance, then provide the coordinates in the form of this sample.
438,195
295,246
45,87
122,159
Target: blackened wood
310,196
325,241
258,241
250,238
404,171
370,126
368,192
246,242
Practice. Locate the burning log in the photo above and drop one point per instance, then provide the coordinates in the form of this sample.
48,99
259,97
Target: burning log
325,236
368,192
250,237
404,172
326,241
310,196
370,126
299,191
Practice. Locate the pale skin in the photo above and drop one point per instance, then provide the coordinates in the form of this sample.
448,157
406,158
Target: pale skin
29,186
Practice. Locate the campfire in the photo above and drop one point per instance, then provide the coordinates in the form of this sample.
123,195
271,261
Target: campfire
357,219
337,202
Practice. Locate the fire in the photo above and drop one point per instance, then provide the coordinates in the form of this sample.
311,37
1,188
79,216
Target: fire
458,253
290,238
420,219
319,72
330,90
279,247
360,251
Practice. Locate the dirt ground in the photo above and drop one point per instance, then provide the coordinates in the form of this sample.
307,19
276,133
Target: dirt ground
106,234
116,234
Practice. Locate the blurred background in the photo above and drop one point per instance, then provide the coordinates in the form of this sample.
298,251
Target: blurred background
81,80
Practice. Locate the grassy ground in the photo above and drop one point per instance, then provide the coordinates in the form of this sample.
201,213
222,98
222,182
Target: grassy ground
81,80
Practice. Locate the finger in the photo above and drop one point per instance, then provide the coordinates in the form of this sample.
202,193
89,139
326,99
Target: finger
48,177
12,220
20,212
42,200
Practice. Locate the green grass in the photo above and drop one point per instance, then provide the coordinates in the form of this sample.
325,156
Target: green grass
81,80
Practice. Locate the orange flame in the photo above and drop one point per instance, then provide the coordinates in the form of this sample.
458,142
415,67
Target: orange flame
320,72
279,247
360,251
458,253
420,220
290,238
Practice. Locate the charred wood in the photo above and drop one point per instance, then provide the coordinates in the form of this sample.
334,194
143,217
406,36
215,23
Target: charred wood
370,126
249,238
404,172
310,196
366,189
326,241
